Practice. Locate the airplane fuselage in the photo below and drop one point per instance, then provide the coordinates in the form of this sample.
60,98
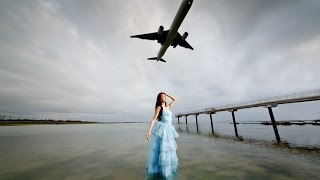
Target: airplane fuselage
181,14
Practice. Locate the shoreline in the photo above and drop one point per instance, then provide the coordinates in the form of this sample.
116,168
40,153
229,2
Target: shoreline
28,122
22,122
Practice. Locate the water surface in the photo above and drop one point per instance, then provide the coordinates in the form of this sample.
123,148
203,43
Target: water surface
118,151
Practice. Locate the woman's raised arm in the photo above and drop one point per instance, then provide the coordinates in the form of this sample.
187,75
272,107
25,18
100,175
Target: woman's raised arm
173,100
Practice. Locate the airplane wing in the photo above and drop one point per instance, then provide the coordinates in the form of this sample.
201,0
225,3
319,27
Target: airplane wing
153,36
149,36
183,43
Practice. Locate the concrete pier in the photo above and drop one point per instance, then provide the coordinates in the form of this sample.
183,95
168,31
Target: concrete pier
270,102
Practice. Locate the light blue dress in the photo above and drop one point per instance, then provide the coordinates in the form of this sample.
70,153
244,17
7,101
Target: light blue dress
162,158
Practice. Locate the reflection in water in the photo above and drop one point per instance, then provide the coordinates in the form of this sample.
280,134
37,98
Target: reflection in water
194,129
223,155
118,151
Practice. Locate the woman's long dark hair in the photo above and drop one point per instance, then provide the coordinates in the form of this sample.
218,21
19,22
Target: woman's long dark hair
158,103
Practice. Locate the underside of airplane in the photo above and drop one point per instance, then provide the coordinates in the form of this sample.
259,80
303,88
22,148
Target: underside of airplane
161,37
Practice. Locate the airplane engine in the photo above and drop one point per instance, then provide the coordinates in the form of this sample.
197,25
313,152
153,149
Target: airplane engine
160,30
184,36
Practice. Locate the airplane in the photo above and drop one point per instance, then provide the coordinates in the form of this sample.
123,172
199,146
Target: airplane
172,36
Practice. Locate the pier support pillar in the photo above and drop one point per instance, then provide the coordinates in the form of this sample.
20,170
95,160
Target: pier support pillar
178,119
186,119
197,119
274,123
234,122
211,123
187,128
197,122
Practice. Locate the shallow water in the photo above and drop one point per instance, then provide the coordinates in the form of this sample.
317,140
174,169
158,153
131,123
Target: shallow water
118,151
305,135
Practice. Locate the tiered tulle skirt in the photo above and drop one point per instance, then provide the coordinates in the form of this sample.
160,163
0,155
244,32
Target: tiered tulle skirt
162,157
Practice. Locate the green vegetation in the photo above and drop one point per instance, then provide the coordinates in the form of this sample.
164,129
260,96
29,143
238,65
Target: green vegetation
16,122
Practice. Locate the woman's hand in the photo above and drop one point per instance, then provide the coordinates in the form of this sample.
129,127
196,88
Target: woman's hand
148,136
173,98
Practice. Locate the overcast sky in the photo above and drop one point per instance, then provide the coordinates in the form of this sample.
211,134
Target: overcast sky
74,59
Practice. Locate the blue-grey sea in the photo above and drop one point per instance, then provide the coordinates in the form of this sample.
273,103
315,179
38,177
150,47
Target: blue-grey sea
118,151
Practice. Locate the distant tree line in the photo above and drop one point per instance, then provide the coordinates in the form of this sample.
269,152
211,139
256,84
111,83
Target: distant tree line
8,120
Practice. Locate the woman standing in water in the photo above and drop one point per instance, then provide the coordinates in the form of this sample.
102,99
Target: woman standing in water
162,158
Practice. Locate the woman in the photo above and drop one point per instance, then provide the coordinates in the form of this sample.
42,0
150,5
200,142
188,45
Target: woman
162,158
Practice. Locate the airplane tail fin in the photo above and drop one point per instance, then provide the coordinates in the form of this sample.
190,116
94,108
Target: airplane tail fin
155,58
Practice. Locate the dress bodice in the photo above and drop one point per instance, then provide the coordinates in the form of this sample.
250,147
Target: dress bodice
166,116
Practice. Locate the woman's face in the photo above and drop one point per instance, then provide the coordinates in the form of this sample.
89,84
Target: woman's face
163,98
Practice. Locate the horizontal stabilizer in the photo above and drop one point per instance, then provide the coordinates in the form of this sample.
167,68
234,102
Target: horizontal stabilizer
155,58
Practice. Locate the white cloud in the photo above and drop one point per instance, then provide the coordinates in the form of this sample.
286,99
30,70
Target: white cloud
60,57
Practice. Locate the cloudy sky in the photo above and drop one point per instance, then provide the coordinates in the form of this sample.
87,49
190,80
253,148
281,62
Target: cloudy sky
74,59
